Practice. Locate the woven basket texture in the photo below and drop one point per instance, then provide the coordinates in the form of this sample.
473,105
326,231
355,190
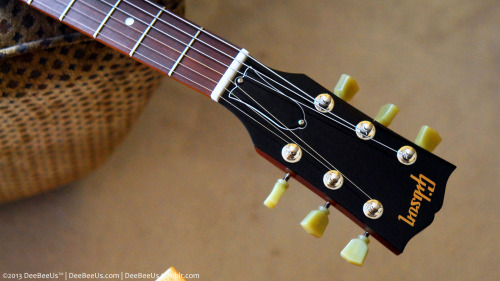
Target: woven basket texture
66,101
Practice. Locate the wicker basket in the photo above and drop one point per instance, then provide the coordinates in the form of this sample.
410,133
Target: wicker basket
66,101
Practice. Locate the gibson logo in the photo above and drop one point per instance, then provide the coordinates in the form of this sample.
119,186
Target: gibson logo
424,184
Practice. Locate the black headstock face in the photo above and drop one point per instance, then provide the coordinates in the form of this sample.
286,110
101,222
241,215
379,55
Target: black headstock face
278,108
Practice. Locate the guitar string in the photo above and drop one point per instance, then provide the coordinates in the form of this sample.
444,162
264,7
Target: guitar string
306,144
272,71
190,35
148,47
262,115
205,43
191,24
283,128
166,45
161,54
252,118
146,56
273,132
210,46
173,60
269,112
159,64
184,44
223,53
117,8
272,123
234,47
267,128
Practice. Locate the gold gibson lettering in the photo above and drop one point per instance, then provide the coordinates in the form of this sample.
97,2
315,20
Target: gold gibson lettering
423,184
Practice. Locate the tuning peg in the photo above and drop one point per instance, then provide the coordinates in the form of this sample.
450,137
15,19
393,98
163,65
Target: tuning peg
428,138
346,88
386,114
356,250
278,190
316,221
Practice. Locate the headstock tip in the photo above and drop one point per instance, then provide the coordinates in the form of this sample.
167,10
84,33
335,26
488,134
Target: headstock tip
386,114
428,138
346,88
356,250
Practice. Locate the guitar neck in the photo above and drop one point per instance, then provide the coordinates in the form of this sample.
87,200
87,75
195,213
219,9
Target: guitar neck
154,36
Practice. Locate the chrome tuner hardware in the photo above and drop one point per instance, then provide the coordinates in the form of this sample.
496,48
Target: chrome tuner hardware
373,209
333,179
291,153
324,103
407,155
301,122
240,80
365,130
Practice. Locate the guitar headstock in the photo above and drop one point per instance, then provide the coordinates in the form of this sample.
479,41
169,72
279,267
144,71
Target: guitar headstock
389,186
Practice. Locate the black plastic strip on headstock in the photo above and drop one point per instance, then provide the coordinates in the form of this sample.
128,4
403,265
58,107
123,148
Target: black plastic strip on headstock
406,192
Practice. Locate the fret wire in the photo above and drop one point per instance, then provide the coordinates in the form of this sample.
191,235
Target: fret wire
221,63
109,14
184,52
166,45
172,60
153,49
223,53
307,98
235,48
29,2
125,1
161,42
106,19
229,56
194,25
177,74
145,56
184,32
165,56
66,10
292,91
172,37
145,32
207,44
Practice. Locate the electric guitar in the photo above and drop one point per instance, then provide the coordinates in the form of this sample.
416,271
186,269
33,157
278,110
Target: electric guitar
389,186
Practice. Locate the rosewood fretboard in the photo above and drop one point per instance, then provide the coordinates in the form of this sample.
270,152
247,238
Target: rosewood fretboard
150,34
